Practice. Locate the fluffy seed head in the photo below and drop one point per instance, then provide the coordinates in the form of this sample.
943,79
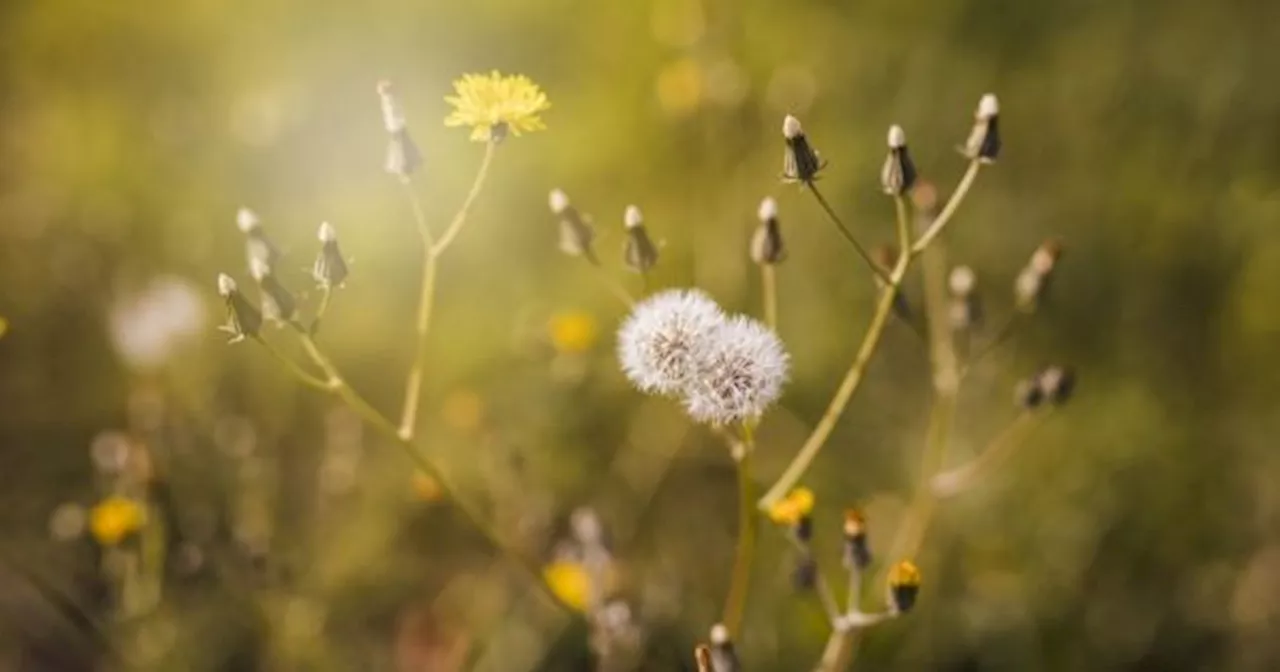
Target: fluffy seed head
768,209
742,373
791,127
897,137
327,233
662,343
246,220
632,217
558,200
988,107
226,285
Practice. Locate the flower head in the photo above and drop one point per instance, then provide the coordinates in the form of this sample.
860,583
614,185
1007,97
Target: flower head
741,374
904,585
569,581
984,140
243,320
494,104
793,508
115,518
664,341
800,162
330,268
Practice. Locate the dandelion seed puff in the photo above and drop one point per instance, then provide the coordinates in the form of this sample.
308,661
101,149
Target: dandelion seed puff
662,342
741,374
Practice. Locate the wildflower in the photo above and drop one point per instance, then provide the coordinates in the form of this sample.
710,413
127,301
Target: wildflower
576,235
766,244
493,105
330,269
983,144
115,518
904,586
573,332
857,553
741,374
257,245
723,656
569,582
800,163
662,343
403,158
243,320
640,253
277,303
898,175
792,509
1057,383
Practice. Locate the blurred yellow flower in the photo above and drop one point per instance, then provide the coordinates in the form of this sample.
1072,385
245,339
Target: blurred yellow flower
115,518
906,574
494,104
573,331
569,581
790,510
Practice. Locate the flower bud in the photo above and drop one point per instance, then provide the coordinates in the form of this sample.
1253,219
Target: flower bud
403,158
723,656
243,320
257,245
965,309
857,552
278,303
898,175
800,162
576,235
1027,394
984,140
904,586
640,253
330,269
767,247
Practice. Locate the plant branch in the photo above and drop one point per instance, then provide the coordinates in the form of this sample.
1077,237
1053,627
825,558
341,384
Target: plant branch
949,209
294,369
848,235
740,580
958,480
460,218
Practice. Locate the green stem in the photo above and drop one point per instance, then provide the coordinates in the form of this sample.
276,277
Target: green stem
958,480
848,235
293,367
739,582
769,288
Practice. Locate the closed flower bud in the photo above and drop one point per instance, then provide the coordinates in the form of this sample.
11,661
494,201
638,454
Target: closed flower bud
1057,383
640,253
403,158
723,656
257,245
330,269
1034,280
898,175
965,309
766,244
278,303
984,140
857,552
576,235
800,163
904,586
243,320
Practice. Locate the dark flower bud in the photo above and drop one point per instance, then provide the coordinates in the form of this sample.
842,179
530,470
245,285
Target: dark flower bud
576,235
800,163
243,320
278,303
1057,383
1027,394
723,656
766,244
804,576
898,175
257,245
403,158
984,140
857,551
904,586
1033,281
330,269
639,253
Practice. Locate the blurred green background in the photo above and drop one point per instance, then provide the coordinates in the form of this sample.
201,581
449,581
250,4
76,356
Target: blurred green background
1138,529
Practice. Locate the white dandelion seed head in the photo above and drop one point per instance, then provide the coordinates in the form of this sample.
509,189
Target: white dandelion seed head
632,217
246,220
962,281
768,209
989,106
558,200
791,127
259,268
897,137
742,374
663,342
226,284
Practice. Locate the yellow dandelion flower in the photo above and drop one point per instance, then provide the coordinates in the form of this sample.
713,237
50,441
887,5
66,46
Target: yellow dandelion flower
904,586
573,331
115,518
904,573
4,326
569,581
790,510
494,104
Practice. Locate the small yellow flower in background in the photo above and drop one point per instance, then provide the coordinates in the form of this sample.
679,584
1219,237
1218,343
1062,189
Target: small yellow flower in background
790,510
494,104
904,586
115,518
573,332
569,581
426,487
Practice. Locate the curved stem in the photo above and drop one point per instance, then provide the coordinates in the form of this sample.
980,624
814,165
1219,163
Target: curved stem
949,210
848,235
960,479
293,367
736,601
461,217
769,288
326,293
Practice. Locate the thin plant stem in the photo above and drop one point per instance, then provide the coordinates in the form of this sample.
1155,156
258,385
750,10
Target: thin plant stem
957,480
853,600
294,368
1006,331
432,250
949,209
826,596
852,381
769,288
326,294
740,580
419,217
848,235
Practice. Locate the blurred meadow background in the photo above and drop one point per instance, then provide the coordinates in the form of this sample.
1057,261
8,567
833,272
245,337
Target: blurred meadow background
1137,528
